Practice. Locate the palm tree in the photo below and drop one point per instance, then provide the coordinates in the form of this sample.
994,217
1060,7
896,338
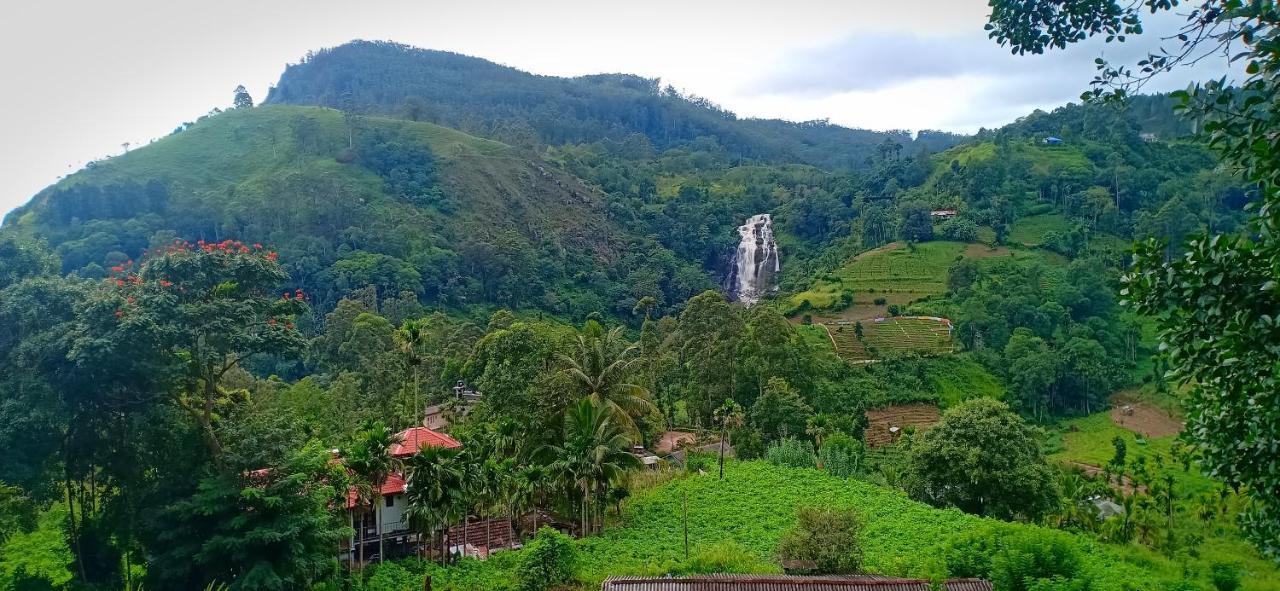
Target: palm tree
595,453
531,484
409,339
371,461
600,366
729,416
434,490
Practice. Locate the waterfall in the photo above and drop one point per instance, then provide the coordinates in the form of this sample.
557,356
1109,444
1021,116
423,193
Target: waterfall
755,263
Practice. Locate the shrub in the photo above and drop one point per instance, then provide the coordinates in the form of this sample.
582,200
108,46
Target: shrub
879,301
830,537
725,556
1015,559
1225,577
894,310
549,561
391,576
841,455
791,452
808,319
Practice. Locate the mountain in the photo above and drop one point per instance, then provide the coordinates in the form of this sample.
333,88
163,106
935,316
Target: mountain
492,100
354,201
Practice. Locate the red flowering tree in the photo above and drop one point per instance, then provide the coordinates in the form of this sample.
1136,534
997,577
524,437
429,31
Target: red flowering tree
198,310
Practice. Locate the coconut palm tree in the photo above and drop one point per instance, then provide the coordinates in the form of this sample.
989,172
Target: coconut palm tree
594,455
434,491
600,367
370,460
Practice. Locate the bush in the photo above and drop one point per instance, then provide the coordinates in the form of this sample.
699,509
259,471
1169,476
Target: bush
879,301
1017,560
1225,577
549,561
725,556
391,576
791,452
894,310
830,537
841,455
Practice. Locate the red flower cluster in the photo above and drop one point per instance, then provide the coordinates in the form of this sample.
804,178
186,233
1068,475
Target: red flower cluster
297,294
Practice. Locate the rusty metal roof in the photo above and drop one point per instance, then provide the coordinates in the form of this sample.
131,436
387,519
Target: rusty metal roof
783,583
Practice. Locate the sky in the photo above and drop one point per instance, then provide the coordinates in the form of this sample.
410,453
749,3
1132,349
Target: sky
82,77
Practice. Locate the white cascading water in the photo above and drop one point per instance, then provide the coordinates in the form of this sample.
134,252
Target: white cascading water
755,264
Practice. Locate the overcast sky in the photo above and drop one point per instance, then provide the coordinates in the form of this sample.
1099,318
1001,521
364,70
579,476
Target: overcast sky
82,77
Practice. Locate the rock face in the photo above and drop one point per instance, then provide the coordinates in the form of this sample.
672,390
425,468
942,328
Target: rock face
755,263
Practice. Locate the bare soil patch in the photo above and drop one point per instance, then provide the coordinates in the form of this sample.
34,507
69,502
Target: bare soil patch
672,439
1092,471
881,421
1145,419
980,251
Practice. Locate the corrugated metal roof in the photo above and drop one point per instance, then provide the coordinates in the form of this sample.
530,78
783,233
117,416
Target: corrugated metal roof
783,583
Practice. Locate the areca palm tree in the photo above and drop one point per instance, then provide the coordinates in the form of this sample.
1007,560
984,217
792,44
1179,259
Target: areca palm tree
409,339
600,367
371,461
434,491
595,453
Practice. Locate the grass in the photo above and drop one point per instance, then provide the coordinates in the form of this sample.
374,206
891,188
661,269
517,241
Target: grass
893,271
1031,230
749,510
957,378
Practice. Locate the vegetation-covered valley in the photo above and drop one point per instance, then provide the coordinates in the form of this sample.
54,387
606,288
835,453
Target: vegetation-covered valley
423,319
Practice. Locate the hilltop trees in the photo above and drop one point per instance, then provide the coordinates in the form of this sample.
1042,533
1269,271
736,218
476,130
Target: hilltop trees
242,99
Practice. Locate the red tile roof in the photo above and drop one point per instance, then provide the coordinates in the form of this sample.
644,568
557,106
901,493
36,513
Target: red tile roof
411,440
415,438
393,485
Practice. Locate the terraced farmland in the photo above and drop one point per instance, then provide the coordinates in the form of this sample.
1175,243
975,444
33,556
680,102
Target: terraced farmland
893,272
847,343
918,334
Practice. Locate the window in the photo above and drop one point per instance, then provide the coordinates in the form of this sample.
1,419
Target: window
391,501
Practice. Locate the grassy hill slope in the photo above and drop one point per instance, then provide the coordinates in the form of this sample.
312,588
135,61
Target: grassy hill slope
735,524
348,202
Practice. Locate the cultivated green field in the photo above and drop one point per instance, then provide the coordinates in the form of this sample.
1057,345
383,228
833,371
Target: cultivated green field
894,272
735,524
1031,230
919,335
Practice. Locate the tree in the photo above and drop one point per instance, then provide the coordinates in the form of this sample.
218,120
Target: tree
1215,305
433,491
729,417
264,529
192,312
595,454
410,338
983,459
780,411
830,537
709,335
600,367
242,98
371,462
917,222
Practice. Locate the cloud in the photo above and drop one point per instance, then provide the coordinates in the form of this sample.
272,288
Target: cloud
981,83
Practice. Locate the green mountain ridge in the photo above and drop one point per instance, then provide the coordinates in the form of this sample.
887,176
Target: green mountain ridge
306,181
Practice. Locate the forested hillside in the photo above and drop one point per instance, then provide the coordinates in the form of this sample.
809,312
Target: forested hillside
496,101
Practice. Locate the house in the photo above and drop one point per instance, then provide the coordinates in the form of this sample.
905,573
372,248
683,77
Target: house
465,399
397,537
785,583
1053,141
1147,136
943,214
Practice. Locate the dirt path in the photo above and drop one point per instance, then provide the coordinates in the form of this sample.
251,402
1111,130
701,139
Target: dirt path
1145,419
